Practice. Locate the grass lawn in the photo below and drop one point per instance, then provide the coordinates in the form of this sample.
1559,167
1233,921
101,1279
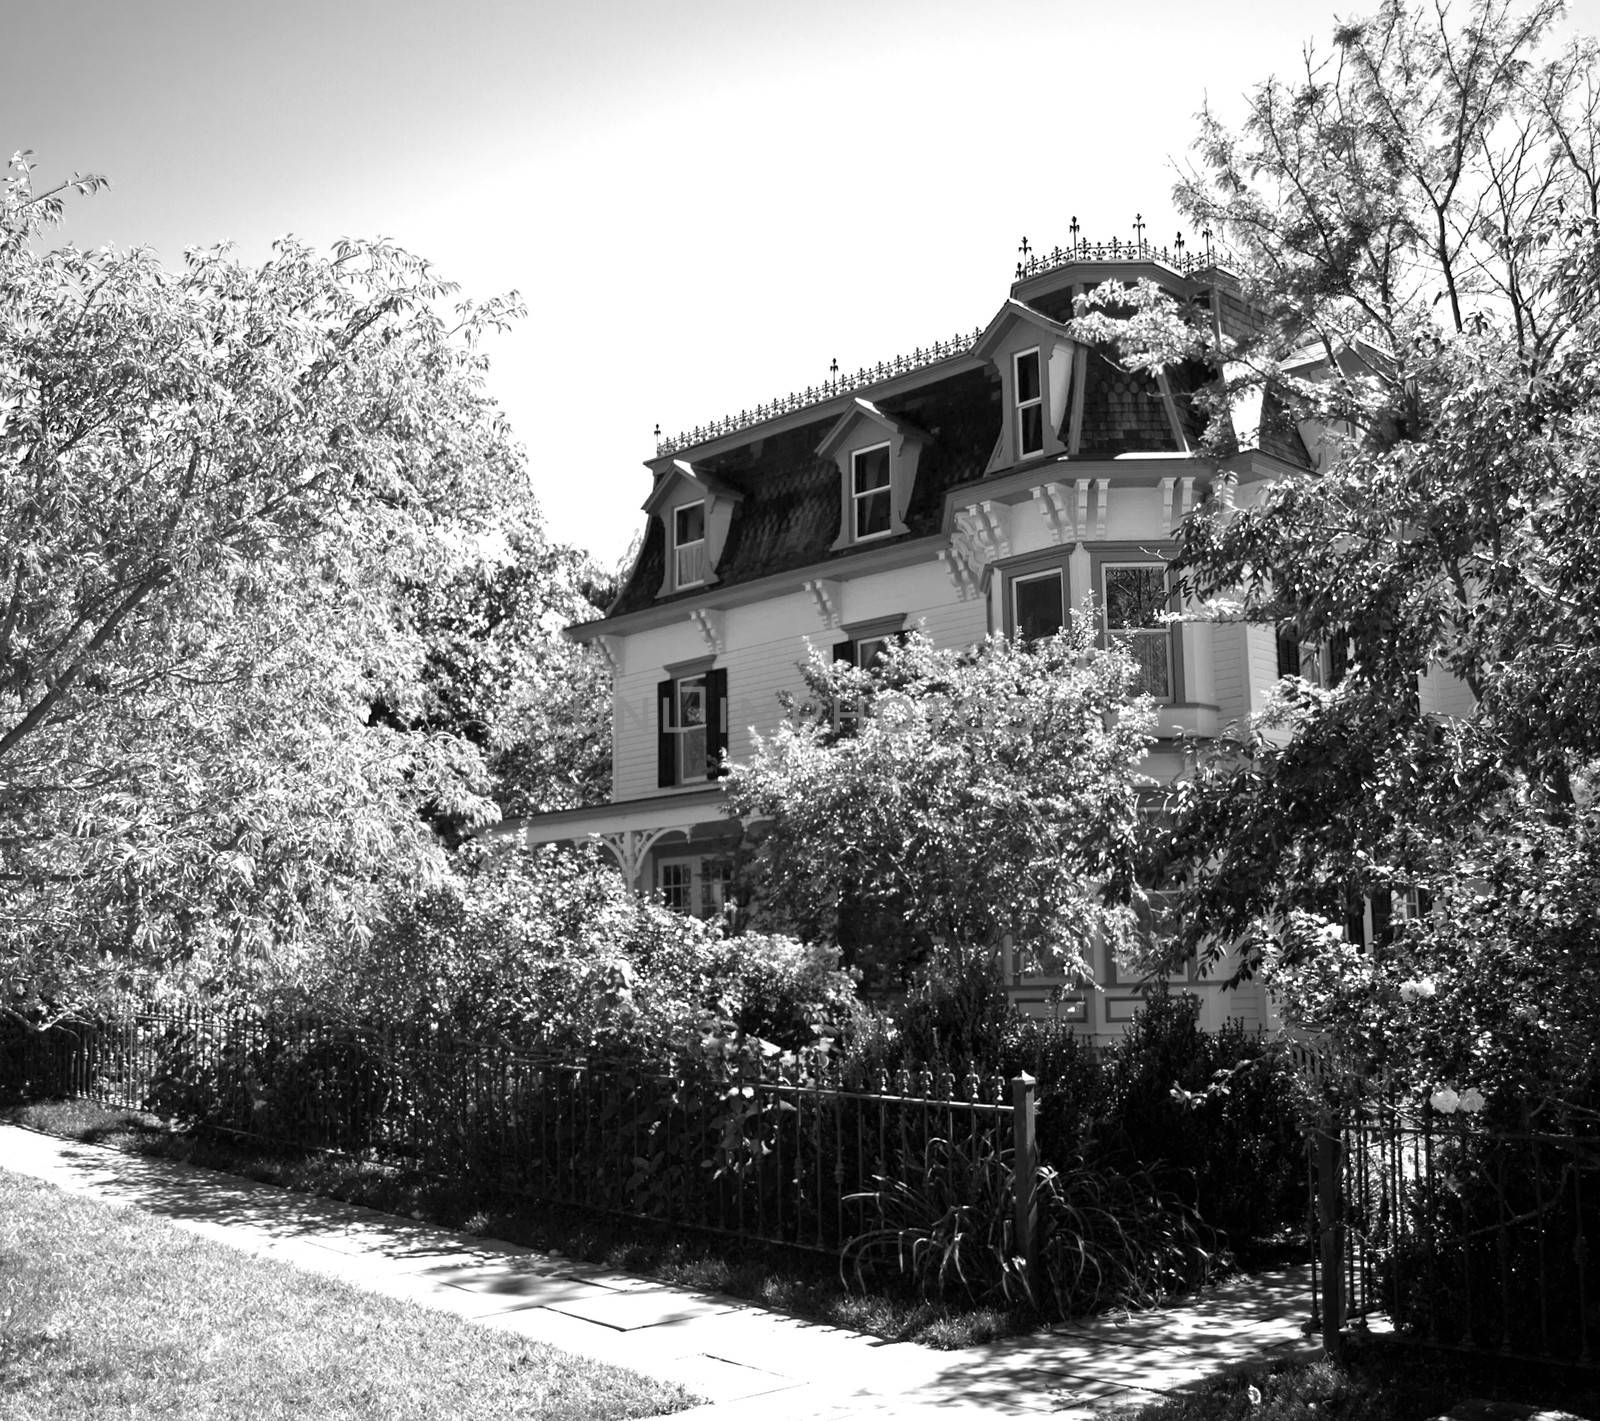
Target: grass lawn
108,1313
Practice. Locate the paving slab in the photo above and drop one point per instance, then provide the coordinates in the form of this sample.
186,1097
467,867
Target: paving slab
749,1364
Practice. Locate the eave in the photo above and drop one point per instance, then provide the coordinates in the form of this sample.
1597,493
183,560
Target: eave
903,552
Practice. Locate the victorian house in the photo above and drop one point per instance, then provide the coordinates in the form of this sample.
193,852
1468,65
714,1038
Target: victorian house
991,482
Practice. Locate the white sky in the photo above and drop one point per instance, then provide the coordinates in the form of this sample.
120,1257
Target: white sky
701,203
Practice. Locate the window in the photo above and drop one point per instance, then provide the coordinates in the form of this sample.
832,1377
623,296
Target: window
689,545
698,886
1320,663
692,727
676,882
1038,604
865,651
1030,404
1133,598
869,486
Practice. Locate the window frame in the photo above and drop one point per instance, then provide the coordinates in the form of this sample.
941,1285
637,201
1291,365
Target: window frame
703,886
1160,633
679,548
1026,568
1019,579
1132,552
1033,404
885,491
879,632
1324,660
672,734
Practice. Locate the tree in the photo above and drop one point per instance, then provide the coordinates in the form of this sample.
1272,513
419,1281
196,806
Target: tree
498,673
972,796
215,485
1414,223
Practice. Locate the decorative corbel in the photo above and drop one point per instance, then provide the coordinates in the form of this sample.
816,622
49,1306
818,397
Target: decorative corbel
1080,501
1186,489
710,624
1166,501
959,572
1054,510
1102,494
830,606
988,525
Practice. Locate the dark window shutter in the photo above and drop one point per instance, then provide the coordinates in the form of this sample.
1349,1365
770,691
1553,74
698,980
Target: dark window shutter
716,720
1338,659
1288,650
844,651
666,758
1382,916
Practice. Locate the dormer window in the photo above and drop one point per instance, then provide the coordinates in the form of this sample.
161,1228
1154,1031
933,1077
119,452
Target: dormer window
1030,404
689,545
876,455
870,492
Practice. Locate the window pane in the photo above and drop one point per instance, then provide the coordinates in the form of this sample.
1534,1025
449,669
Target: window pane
676,886
1135,596
1031,432
692,755
690,524
868,652
715,877
872,469
872,513
1028,377
1037,606
691,564
691,702
1151,652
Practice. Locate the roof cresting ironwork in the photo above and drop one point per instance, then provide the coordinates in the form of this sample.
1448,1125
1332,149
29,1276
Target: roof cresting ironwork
1177,257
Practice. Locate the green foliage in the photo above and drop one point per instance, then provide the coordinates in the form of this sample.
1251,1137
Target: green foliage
553,943
1412,221
284,1079
1218,1114
1108,1237
1215,1116
978,795
498,673
216,486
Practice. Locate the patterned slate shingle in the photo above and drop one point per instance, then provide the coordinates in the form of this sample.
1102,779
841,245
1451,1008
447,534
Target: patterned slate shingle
1123,412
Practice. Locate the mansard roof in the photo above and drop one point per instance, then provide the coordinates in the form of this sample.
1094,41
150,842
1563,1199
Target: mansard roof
791,512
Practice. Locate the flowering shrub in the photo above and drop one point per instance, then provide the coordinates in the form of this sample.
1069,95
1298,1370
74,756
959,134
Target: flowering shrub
554,942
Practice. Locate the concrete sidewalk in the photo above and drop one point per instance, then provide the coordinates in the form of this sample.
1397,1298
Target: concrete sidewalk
746,1362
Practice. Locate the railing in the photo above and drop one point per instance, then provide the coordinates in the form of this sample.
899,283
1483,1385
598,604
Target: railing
762,1145
1464,1236
1177,257
830,389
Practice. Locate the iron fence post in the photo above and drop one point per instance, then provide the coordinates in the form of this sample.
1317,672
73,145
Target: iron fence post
1025,1162
1331,1241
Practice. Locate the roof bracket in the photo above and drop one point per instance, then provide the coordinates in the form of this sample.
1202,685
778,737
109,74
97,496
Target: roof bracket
712,628
825,594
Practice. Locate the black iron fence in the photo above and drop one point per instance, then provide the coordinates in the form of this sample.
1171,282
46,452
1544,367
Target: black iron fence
1464,1235
783,1147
